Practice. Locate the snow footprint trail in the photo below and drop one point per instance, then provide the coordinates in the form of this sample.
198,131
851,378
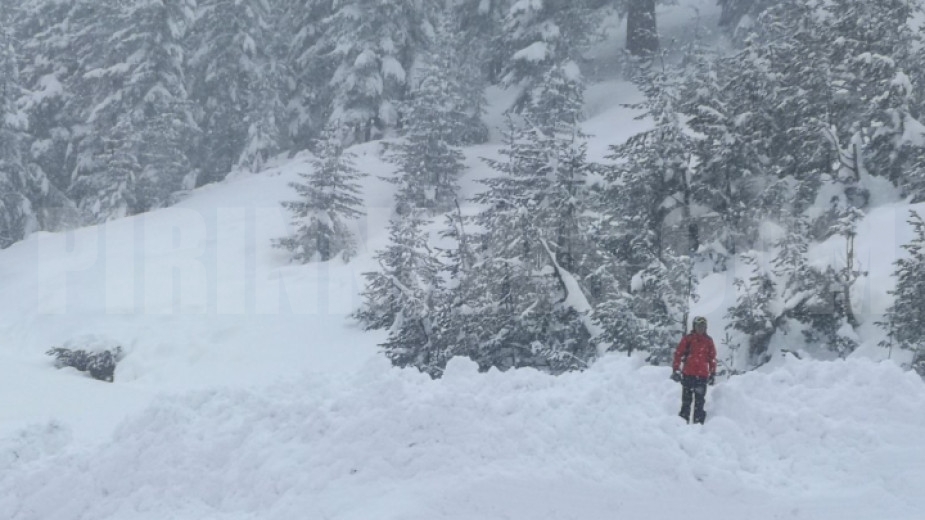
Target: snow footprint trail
388,443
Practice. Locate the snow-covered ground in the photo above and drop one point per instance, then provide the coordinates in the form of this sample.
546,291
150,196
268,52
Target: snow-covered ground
809,440
246,393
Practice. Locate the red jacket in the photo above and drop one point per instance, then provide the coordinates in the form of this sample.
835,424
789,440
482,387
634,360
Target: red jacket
698,355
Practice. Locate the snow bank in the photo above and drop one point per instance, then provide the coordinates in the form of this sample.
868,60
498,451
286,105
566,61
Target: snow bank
805,439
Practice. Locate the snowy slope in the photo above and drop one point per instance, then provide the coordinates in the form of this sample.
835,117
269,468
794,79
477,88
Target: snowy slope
821,440
247,394
195,294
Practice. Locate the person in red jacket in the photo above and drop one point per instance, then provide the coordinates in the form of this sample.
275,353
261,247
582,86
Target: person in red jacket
694,367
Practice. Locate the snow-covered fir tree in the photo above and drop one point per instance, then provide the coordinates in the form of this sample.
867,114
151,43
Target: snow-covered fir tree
903,321
478,23
650,228
538,37
755,314
139,82
15,209
236,83
44,33
370,46
48,34
117,190
307,70
330,200
461,332
406,296
793,105
451,64
816,296
880,57
438,118
530,304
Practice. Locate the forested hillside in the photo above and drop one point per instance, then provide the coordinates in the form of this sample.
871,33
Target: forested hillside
784,134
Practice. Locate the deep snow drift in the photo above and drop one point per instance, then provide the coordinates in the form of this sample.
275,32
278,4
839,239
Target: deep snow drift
807,440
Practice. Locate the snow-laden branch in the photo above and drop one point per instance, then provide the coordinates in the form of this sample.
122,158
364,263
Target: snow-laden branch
574,297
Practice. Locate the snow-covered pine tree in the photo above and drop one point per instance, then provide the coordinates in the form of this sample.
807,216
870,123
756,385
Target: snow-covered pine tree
116,191
452,59
307,70
15,210
794,106
799,280
874,52
903,321
557,102
538,37
552,119
48,34
370,47
330,199
625,327
530,306
406,296
478,23
810,294
754,315
437,118
266,135
236,82
830,318
749,170
650,227
794,289
461,332
140,80
45,34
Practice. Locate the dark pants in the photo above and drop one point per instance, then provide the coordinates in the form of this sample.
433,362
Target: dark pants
694,389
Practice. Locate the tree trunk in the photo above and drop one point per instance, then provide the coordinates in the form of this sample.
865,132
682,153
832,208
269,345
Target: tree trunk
641,31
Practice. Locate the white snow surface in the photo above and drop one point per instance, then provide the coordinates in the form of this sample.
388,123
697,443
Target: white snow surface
826,440
246,393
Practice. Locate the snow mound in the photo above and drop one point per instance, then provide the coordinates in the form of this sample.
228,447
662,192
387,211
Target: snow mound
807,436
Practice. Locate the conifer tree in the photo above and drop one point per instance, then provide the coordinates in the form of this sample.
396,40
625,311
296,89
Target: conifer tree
903,321
538,37
754,314
45,32
307,70
650,228
816,296
51,36
452,66
370,46
116,192
479,23
236,82
139,82
406,297
15,210
530,305
792,105
438,118
330,198
455,319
